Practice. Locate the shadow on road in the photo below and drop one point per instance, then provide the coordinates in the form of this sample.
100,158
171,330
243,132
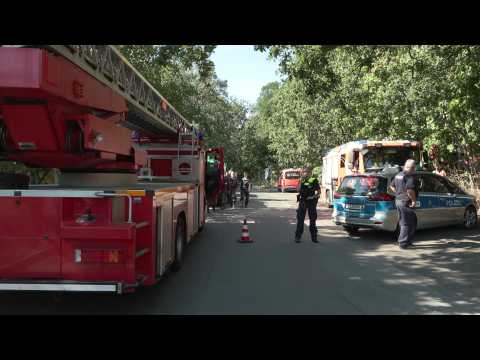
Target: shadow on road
439,275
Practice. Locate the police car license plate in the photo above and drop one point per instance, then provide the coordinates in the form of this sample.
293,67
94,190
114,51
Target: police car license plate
353,207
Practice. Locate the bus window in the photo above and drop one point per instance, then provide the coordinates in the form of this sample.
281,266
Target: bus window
342,161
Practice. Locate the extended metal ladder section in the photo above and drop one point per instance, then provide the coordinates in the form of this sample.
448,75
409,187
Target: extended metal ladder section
192,136
148,110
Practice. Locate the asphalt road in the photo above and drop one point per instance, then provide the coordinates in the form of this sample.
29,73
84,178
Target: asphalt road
366,274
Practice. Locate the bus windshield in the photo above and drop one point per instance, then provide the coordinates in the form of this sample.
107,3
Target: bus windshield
380,157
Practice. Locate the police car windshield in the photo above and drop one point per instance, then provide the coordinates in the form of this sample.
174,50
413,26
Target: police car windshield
362,185
380,157
292,175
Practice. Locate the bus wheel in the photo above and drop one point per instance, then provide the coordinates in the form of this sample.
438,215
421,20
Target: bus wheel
180,242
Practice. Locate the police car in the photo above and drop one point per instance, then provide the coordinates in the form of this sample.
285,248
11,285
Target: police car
363,201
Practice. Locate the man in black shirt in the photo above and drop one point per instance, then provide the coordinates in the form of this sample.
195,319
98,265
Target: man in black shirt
406,192
307,199
245,187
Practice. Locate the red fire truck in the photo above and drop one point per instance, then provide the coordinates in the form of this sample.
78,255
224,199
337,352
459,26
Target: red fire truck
131,190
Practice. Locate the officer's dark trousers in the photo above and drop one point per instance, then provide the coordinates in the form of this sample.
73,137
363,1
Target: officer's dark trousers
407,222
303,207
245,194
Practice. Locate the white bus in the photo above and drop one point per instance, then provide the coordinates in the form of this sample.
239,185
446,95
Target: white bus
357,157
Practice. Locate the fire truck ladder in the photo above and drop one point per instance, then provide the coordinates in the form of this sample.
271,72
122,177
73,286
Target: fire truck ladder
148,110
183,139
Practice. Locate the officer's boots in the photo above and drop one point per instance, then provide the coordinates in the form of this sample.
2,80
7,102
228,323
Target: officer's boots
314,235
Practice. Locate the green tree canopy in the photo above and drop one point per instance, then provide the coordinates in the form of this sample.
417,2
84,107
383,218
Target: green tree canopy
335,94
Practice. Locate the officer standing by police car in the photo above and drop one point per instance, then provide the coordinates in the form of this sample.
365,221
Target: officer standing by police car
307,201
405,188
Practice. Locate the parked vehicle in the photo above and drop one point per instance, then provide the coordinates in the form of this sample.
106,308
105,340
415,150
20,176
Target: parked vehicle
125,204
359,157
288,180
363,201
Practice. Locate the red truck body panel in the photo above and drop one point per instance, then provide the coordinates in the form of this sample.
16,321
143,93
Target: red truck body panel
41,236
30,243
40,94
38,74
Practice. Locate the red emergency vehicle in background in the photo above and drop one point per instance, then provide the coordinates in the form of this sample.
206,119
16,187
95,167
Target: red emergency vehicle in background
289,180
131,190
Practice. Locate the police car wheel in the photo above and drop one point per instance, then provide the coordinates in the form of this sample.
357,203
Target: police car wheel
470,219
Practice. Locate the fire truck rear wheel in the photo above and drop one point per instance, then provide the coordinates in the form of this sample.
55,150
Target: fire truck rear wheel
180,242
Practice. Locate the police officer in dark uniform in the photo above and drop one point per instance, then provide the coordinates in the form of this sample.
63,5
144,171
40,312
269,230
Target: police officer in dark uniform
307,201
245,187
405,188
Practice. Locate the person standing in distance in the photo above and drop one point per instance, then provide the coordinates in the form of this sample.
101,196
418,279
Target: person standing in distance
245,187
405,188
307,201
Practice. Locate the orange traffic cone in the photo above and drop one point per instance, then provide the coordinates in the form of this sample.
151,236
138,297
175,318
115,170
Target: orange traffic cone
245,235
